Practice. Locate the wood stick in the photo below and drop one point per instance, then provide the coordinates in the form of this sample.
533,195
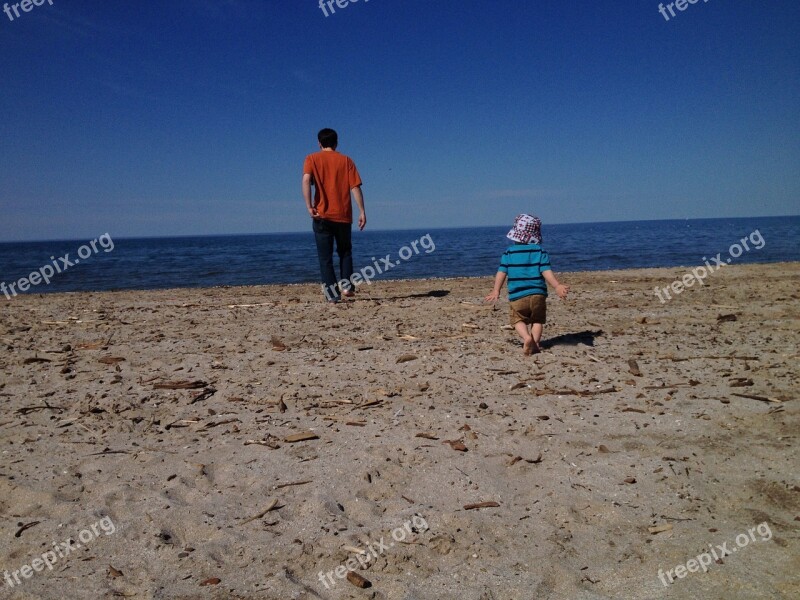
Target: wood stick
262,514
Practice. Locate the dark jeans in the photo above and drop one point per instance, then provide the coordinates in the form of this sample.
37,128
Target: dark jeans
325,233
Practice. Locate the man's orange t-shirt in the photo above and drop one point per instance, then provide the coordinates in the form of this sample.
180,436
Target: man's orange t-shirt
334,176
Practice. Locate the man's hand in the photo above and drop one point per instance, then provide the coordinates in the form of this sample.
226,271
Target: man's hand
493,297
562,291
362,221
312,210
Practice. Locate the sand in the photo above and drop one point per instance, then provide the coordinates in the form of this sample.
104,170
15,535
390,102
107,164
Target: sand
418,402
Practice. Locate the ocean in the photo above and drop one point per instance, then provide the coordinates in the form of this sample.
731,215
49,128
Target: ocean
285,258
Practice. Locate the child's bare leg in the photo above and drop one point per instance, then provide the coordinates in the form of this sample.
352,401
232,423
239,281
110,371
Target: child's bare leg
527,341
536,332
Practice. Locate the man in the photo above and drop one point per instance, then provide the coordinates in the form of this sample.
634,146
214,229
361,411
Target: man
335,178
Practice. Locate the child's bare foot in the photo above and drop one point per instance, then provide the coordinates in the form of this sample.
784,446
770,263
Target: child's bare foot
529,347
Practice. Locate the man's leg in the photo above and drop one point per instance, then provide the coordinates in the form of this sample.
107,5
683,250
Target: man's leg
344,248
323,235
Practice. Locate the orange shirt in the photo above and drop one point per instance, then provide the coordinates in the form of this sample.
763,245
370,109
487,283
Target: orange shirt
334,175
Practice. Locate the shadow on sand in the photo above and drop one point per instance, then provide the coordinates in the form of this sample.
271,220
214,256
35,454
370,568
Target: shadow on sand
431,294
573,339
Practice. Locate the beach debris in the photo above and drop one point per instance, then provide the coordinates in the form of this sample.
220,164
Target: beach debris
180,385
180,423
408,338
36,359
483,406
674,358
357,580
456,445
267,443
370,404
211,581
114,573
630,480
111,360
204,395
278,345
551,392
481,505
92,345
29,409
660,528
470,326
634,368
212,424
354,550
364,348
409,500
406,358
270,507
741,382
282,405
759,398
519,385
293,483
634,410
726,318
106,451
603,449
530,461
667,386
25,527
243,305
300,437
426,435
641,320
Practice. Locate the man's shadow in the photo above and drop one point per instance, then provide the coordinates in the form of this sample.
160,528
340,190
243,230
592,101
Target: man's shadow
573,339
431,294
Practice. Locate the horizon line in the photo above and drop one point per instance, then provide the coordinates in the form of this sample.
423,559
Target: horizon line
208,235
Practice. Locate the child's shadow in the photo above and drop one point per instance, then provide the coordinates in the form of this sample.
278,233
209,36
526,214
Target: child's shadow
573,339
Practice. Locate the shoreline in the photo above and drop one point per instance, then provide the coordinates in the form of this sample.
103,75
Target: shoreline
247,441
640,270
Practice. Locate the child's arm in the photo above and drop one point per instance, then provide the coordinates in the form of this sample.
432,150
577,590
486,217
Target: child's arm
499,280
561,290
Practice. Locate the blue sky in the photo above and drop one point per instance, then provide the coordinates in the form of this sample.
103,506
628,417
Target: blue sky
186,117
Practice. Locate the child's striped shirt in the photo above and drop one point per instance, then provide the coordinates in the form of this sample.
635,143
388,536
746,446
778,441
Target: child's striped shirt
524,265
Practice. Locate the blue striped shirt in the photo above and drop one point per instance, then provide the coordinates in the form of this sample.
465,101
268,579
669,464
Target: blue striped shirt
524,265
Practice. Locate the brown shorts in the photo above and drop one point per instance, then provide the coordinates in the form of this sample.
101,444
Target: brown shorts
530,309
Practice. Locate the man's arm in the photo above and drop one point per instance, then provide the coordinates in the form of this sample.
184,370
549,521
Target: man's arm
307,196
358,196
561,290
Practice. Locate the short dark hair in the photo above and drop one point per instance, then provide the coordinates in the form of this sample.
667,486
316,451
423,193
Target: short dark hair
328,138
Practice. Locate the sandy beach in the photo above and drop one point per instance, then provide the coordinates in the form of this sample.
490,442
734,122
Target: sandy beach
246,442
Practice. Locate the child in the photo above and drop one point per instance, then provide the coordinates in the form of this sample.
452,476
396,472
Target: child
527,267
